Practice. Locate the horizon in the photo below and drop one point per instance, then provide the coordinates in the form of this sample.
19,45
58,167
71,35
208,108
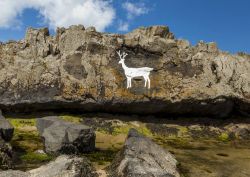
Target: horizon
207,21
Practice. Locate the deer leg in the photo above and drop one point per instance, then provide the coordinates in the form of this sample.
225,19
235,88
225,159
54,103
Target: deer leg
130,82
148,83
127,82
145,83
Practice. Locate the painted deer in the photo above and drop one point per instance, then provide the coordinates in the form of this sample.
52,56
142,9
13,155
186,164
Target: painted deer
130,73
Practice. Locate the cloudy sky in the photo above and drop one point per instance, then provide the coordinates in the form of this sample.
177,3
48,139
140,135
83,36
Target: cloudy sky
226,22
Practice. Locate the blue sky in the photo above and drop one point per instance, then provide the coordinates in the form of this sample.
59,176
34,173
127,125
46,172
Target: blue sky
227,22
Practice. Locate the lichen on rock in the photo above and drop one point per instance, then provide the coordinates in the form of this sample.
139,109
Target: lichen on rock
78,69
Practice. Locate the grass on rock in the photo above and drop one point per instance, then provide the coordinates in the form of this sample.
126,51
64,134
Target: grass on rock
224,137
71,118
25,142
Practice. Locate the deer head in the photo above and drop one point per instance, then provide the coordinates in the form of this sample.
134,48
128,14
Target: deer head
122,56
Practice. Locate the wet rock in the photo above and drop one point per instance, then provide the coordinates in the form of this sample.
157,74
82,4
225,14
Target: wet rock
6,129
63,166
65,137
141,157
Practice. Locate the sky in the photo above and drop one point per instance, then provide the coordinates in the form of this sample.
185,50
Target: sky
226,22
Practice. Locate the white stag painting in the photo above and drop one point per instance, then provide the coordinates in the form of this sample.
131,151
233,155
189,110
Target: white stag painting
130,73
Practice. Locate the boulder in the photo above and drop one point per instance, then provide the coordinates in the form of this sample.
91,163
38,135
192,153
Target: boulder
63,166
239,131
142,157
5,155
78,69
161,31
1,114
6,129
65,137
13,173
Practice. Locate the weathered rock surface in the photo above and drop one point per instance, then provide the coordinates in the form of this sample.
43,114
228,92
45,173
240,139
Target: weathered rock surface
5,155
78,69
63,166
13,173
6,133
6,129
142,157
239,131
65,137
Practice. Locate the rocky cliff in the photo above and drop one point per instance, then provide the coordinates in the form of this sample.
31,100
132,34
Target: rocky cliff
77,69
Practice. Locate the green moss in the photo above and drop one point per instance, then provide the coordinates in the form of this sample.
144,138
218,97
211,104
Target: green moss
101,130
25,142
17,123
70,118
125,129
182,130
26,136
121,130
178,143
35,157
102,157
223,137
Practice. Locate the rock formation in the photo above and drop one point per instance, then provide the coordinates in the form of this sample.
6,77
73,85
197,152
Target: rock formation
6,155
63,166
141,157
6,129
65,137
6,133
78,69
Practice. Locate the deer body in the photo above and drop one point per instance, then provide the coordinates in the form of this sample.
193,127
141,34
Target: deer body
130,73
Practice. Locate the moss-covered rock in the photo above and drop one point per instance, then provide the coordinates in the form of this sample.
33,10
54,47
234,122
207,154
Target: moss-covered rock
25,142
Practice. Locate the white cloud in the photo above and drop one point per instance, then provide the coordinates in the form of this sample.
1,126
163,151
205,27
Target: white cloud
60,13
123,26
135,9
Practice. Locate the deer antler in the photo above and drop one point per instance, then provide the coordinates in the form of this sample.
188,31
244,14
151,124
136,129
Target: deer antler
119,53
123,55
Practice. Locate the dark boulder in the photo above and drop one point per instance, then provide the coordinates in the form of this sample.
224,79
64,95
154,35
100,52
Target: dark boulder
239,131
65,137
140,157
5,155
6,129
